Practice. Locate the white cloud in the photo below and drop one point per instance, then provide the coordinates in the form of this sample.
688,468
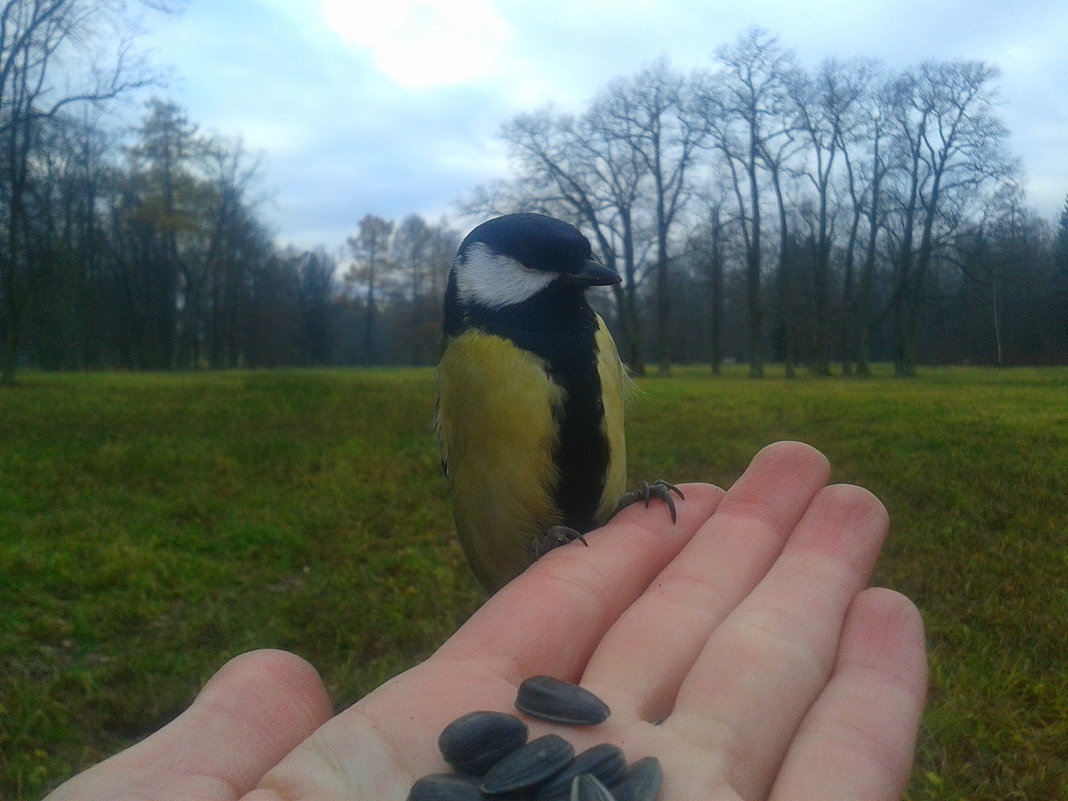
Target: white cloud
421,44
394,106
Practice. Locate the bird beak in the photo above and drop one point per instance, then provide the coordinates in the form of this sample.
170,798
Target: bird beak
592,274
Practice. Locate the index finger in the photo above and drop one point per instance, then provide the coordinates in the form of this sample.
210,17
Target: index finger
550,618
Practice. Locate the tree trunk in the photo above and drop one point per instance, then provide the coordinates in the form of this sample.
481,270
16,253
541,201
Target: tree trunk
663,296
663,311
17,158
9,327
752,270
849,309
717,294
786,293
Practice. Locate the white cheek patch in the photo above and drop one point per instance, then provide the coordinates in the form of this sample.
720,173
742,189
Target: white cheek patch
489,279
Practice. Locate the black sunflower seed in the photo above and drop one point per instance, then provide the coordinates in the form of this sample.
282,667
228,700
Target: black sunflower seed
477,741
530,765
589,788
560,702
605,761
642,782
446,787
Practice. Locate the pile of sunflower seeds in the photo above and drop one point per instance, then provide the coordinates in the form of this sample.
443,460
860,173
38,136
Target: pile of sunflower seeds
494,761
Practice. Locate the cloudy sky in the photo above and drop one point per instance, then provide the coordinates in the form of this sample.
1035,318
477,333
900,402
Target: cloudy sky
393,106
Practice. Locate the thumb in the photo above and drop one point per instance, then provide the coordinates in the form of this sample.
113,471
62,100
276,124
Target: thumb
250,714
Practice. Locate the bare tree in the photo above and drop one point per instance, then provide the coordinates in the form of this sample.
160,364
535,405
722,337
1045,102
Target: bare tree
655,115
744,104
416,251
1059,294
444,241
53,54
370,267
317,287
949,146
825,106
858,141
411,252
166,196
706,248
72,179
1009,309
621,173
775,155
225,252
870,199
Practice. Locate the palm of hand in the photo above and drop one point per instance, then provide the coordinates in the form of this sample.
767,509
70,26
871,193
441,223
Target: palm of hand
739,647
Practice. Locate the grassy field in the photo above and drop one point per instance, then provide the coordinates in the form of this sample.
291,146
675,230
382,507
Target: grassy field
151,526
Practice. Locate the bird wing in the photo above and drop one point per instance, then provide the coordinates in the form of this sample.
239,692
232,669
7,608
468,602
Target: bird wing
613,392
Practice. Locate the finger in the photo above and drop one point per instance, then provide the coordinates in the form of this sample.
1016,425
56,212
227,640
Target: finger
644,658
767,662
549,619
859,738
251,713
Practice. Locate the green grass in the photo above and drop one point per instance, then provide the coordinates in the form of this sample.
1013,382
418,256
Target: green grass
151,526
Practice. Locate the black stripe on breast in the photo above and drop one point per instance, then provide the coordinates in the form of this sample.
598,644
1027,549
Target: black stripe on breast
559,326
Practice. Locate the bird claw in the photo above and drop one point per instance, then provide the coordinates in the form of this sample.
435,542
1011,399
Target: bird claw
646,491
658,489
555,537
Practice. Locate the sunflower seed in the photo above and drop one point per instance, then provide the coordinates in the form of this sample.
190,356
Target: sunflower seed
446,787
642,782
477,741
589,788
605,761
560,702
530,765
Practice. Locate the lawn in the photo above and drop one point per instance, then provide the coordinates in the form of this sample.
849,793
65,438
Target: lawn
152,526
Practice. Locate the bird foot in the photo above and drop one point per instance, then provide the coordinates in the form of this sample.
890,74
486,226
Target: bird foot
658,489
555,537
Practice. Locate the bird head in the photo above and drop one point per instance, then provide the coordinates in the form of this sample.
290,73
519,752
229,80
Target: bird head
510,259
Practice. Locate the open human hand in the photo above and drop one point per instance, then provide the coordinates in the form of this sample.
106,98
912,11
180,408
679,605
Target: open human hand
740,647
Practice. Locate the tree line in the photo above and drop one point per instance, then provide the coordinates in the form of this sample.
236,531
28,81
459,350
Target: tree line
841,213
757,210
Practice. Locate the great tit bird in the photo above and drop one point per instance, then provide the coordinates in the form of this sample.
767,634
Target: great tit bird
530,394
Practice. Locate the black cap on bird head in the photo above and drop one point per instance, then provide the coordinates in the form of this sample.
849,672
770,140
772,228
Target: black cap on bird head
539,242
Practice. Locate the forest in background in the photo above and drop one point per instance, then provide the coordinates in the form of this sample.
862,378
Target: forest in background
759,210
